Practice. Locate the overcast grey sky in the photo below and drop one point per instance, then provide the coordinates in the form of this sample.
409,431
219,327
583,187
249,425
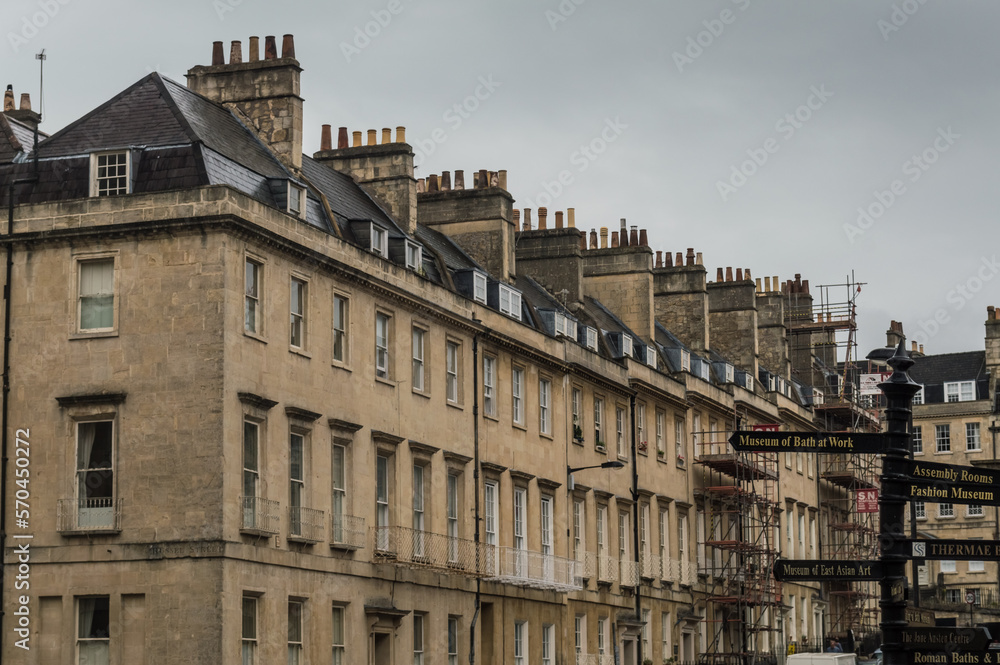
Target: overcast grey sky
856,136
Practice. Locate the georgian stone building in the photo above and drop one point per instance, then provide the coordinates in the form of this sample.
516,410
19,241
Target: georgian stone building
312,409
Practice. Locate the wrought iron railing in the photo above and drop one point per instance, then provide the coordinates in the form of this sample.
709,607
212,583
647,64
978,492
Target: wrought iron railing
426,549
534,569
100,514
607,569
305,524
629,575
347,532
260,515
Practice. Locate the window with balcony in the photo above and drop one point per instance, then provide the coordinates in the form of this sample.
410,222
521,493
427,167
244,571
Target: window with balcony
419,517
520,533
96,507
451,498
297,483
579,526
93,637
383,471
545,515
491,492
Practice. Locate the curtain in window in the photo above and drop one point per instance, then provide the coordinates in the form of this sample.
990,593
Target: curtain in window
93,647
96,295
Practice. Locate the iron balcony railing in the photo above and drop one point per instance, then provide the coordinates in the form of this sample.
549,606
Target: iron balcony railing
305,525
650,565
607,569
426,549
534,569
629,573
347,532
261,516
89,515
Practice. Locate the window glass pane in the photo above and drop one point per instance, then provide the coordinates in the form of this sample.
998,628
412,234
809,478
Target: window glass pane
97,294
249,618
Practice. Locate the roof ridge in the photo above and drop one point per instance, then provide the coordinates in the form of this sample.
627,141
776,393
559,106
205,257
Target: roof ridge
168,97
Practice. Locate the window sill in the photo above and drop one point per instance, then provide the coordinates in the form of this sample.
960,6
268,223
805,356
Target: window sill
456,405
300,352
94,335
976,572
491,416
421,393
256,336
347,547
577,441
946,517
974,517
301,539
90,532
519,426
385,381
942,452
546,435
340,365
973,450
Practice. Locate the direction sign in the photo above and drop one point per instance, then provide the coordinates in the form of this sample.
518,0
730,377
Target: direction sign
956,550
952,657
812,442
944,492
811,570
951,473
970,639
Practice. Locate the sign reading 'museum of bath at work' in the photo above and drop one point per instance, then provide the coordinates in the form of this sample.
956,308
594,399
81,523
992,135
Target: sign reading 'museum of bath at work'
807,442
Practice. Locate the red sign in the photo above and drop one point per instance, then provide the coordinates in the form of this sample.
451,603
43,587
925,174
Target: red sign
766,428
867,501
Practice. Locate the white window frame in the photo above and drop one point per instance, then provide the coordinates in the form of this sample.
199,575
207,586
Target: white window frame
383,334
664,527
420,519
564,326
249,638
95,176
95,512
491,496
452,640
918,398
520,642
545,406
974,510
580,634
451,515
918,440
640,425
977,566
920,510
379,241
517,394
296,481
591,338
298,320
418,343
948,566
627,347
519,517
546,506
339,641
620,444
579,529
599,421
94,639
548,643
341,328
946,510
419,637
489,386
603,637
479,284
509,301
661,418
414,256
973,441
961,391
338,484
79,296
685,360
253,318
295,631
942,438
383,493
296,193
452,361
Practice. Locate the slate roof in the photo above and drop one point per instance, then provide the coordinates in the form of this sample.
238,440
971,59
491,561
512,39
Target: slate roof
454,257
934,371
15,137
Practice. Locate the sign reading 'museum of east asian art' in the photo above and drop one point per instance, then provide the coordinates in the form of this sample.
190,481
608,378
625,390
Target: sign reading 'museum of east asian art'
811,570
807,442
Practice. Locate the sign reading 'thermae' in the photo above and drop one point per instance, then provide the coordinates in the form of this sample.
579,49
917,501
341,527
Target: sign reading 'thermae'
812,442
958,550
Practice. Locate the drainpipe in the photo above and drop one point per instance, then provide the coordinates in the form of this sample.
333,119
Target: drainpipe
635,528
475,483
6,385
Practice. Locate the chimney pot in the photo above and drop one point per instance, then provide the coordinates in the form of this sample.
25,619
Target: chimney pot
775,283
668,260
604,237
593,239
583,242
218,57
697,259
432,182
494,179
235,52
690,256
729,273
739,274
386,135
746,274
254,49
287,46
921,349
719,276
757,285
643,238
913,346
543,214
571,217
25,101
270,48
356,136
659,258
679,260
326,138
767,284
445,180
342,140
502,179
559,219
527,211
483,181
372,137
460,180
991,313
633,237
614,239
421,186
401,135
805,286
517,218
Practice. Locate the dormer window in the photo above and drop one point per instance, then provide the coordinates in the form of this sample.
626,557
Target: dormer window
565,326
379,241
703,370
627,346
296,199
109,173
479,287
748,382
414,255
818,396
651,356
729,373
592,338
685,361
510,302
